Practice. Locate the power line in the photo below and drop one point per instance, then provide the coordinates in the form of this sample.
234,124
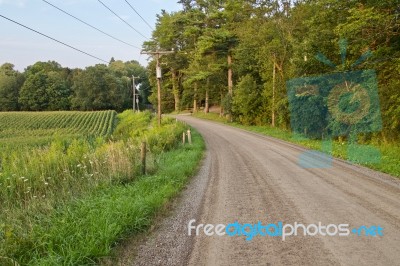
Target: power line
65,12
122,20
139,15
51,38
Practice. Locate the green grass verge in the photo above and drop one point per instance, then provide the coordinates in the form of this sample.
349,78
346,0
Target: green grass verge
87,229
390,153
43,190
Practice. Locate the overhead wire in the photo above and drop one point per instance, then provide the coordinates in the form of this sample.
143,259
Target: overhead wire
123,20
139,15
51,38
87,24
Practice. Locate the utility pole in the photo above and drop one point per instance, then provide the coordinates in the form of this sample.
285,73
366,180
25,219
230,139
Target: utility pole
134,93
157,54
273,92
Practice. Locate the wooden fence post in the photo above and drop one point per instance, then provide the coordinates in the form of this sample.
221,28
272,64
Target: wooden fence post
143,157
189,134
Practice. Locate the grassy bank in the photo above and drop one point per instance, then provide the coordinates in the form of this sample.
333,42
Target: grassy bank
88,228
390,152
69,202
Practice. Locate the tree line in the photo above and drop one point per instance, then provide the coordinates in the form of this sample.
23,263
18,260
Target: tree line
47,86
240,54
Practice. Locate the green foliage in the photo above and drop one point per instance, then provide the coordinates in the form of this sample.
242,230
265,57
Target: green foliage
227,104
46,86
265,35
112,213
10,83
104,87
91,89
161,139
43,67
132,125
44,189
44,92
247,101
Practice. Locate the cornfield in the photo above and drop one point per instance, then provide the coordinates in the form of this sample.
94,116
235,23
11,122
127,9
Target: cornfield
42,127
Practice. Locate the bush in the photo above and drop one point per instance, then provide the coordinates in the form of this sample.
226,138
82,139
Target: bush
246,101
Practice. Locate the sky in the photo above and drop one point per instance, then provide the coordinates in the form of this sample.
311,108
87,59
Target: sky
22,47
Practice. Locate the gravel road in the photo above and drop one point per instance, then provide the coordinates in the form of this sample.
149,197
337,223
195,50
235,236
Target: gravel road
248,178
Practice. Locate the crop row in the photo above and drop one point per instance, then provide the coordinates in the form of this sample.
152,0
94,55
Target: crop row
15,125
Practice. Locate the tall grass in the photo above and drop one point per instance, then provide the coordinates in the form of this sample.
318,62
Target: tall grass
36,183
85,231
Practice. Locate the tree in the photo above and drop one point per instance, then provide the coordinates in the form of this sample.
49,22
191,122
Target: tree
90,89
176,31
246,101
46,87
43,66
44,92
375,26
262,45
104,87
10,84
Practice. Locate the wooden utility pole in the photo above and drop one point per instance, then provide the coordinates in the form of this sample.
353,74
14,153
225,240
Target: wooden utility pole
273,92
157,54
143,157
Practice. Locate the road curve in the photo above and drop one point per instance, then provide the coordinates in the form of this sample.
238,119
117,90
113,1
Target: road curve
248,178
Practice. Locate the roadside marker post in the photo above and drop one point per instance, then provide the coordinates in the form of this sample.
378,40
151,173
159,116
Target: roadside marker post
189,134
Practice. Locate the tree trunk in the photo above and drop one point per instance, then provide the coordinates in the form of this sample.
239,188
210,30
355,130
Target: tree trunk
195,99
175,90
230,80
206,107
221,112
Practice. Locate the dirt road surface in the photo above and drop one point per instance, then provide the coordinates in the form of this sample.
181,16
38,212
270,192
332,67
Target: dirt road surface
248,178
